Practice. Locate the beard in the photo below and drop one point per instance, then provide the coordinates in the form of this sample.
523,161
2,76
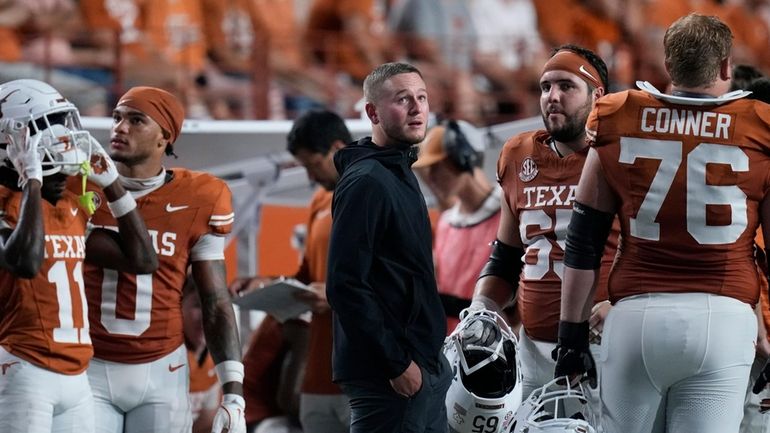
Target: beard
570,131
573,128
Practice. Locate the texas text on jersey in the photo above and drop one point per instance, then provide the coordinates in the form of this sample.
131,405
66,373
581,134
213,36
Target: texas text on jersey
44,318
138,318
539,187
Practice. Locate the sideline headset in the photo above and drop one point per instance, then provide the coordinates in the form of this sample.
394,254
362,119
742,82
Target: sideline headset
458,149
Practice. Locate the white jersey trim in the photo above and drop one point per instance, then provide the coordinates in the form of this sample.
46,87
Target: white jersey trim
222,220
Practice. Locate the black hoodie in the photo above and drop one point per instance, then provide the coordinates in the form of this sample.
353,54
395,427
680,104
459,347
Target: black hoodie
380,281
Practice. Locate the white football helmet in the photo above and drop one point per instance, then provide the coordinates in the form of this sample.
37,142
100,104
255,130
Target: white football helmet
556,407
51,119
486,389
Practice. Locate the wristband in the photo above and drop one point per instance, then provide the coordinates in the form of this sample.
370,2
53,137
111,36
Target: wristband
122,206
234,398
573,335
481,302
229,371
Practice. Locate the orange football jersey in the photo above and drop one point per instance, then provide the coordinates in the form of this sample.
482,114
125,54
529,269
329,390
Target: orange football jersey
138,318
319,227
318,374
689,180
539,187
44,319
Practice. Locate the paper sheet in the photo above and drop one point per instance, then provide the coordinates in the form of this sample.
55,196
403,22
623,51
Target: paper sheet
276,298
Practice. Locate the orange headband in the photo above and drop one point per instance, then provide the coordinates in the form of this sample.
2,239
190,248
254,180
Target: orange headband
570,61
161,106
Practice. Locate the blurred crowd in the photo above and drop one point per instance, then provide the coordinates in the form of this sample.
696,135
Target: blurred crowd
274,59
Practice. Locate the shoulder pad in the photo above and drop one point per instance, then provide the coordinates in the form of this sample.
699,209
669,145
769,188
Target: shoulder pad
685,100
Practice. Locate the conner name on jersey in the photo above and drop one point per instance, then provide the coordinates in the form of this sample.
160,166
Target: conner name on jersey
65,246
686,122
549,195
164,243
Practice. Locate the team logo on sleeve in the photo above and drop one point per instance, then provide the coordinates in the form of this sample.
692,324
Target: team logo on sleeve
528,169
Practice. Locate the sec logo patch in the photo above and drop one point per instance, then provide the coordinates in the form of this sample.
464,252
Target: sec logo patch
528,169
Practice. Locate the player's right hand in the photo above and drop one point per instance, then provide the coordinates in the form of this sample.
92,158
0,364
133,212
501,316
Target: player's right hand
22,150
482,333
231,415
479,303
572,354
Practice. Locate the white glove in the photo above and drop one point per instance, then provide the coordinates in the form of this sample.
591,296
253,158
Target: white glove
22,151
231,415
103,171
481,302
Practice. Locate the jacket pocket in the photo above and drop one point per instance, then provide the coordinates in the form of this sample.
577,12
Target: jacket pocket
414,308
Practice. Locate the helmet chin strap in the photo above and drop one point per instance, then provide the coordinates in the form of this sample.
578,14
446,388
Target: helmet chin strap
86,199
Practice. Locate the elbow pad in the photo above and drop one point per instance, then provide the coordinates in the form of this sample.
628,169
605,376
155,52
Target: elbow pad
586,236
504,262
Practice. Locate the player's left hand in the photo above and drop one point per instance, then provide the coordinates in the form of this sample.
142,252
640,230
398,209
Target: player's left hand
596,323
231,415
572,354
103,171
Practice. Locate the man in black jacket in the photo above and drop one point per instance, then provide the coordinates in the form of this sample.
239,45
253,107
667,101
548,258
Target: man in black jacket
389,324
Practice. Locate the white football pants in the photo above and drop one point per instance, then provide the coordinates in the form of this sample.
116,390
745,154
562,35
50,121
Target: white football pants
676,362
142,398
37,400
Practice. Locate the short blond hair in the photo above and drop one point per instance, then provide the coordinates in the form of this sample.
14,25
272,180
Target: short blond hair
374,81
695,46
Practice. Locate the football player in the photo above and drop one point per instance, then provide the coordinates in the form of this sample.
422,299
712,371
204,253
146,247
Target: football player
688,174
45,237
139,374
539,172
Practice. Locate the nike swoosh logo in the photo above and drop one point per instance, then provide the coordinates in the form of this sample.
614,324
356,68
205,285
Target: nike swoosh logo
173,368
582,70
170,208
8,365
74,211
